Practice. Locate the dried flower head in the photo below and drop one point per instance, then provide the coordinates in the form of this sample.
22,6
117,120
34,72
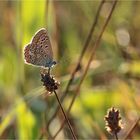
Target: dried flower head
49,82
113,121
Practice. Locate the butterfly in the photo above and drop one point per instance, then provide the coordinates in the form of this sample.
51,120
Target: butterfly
39,51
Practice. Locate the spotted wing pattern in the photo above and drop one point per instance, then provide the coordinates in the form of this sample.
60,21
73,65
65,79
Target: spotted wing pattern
39,51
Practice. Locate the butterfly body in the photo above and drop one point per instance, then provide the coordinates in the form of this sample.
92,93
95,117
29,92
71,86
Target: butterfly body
39,51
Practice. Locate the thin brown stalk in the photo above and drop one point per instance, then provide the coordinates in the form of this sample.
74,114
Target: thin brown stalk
66,118
90,60
47,2
92,55
80,58
116,136
59,130
83,50
132,129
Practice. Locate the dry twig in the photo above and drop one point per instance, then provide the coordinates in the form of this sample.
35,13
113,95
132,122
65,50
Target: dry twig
80,59
90,60
132,129
51,86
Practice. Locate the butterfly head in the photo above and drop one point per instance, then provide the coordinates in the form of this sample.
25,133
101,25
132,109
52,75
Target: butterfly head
51,64
54,63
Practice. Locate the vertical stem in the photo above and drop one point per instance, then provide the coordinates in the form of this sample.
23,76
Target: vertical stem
116,136
46,13
89,62
66,118
86,44
132,129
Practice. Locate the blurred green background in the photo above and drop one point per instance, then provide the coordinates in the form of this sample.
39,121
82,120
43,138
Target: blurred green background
113,78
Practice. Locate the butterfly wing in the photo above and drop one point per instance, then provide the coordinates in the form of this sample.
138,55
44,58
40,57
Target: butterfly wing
39,52
29,56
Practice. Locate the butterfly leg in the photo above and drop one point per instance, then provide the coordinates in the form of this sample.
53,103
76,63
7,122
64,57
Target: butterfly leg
49,69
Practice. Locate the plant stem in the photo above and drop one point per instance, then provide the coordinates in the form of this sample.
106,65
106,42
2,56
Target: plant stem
90,60
66,118
96,45
132,129
116,136
86,44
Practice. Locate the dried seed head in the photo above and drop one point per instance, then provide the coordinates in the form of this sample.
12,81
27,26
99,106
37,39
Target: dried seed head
49,82
113,121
